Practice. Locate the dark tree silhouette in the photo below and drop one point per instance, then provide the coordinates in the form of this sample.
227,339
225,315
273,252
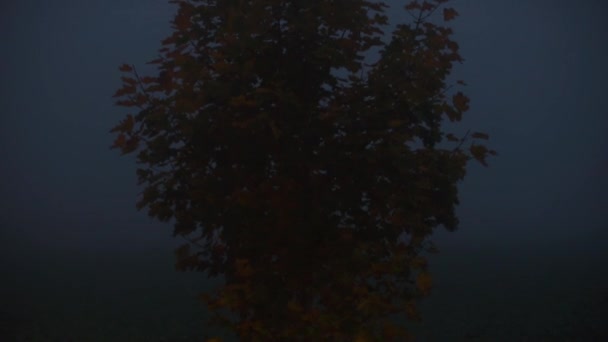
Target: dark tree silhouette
290,163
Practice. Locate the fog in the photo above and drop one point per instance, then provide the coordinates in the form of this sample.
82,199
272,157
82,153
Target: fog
80,262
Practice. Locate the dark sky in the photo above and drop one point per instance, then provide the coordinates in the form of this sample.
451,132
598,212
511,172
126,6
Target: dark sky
536,74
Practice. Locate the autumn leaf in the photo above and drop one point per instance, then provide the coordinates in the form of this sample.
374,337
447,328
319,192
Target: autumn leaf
130,145
128,80
155,61
167,41
424,282
125,90
125,68
479,152
396,123
452,113
449,14
397,218
412,5
276,132
412,311
127,124
148,79
362,337
256,147
125,103
391,332
419,263
243,268
242,101
294,306
427,6
480,135
451,137
119,141
461,102
182,22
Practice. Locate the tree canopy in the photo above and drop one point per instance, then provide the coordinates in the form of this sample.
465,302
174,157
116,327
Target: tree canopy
307,176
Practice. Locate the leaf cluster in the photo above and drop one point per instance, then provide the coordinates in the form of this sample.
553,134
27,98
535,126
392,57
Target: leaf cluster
290,165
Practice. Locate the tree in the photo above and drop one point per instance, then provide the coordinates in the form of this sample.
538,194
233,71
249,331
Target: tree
290,163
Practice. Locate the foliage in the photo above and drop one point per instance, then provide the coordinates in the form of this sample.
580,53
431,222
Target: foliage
290,164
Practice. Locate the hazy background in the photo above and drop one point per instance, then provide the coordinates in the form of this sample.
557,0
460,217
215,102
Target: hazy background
529,260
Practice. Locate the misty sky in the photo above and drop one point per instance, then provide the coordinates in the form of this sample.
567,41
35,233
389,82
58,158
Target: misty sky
536,74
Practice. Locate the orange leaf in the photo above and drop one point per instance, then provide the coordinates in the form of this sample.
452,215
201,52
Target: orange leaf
412,5
125,68
243,268
424,282
294,306
396,123
449,14
451,137
130,145
127,89
182,22
362,337
128,80
480,135
125,103
479,152
452,114
419,262
120,141
461,102
276,132
155,61
167,41
148,79
128,124
397,219
426,6
411,311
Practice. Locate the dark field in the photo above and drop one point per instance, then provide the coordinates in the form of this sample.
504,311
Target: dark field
479,295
